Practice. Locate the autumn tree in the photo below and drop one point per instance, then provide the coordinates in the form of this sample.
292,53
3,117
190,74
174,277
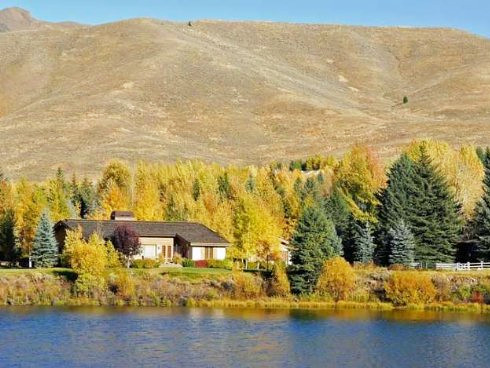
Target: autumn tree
147,205
358,177
257,232
29,203
126,241
58,197
115,189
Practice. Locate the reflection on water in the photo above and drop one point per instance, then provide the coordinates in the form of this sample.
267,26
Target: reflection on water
180,337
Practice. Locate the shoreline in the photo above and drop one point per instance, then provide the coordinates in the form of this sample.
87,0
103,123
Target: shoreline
270,304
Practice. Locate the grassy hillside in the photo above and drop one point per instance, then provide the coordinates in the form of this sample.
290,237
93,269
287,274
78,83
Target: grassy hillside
76,96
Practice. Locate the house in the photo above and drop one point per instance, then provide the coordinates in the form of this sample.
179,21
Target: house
159,239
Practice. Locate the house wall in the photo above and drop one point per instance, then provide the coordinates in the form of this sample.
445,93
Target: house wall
152,248
199,253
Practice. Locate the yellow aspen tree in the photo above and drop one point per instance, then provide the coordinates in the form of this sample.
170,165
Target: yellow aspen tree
359,176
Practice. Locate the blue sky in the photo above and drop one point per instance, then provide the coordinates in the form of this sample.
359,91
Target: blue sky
471,15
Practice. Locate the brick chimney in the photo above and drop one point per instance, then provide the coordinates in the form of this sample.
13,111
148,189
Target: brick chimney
122,216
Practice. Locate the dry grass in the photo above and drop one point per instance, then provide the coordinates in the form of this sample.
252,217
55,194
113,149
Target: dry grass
232,92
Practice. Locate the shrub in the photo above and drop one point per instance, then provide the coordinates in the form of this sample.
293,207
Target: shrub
201,264
145,263
123,285
188,263
225,264
89,257
246,285
443,287
279,283
89,285
410,287
177,258
113,260
337,279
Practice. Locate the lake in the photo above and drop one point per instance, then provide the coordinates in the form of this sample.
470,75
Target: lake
180,337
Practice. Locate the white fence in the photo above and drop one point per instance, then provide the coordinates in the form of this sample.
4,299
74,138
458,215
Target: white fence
478,266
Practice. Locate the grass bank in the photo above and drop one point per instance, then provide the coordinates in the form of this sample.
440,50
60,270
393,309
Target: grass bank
218,288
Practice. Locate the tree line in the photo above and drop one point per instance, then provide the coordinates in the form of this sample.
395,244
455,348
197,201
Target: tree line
430,204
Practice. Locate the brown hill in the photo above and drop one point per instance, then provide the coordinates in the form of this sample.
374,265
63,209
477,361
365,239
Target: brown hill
232,92
17,19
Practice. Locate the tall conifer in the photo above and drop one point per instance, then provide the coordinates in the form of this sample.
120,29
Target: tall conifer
314,241
45,247
362,242
419,195
481,222
402,244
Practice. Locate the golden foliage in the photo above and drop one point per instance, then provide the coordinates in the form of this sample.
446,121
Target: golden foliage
337,279
410,287
279,283
359,176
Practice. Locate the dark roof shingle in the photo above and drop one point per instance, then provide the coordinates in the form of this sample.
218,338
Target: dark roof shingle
192,232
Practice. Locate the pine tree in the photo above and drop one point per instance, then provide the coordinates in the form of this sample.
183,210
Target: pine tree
196,189
9,247
418,194
434,216
338,211
45,248
394,203
250,185
363,242
481,222
402,244
313,242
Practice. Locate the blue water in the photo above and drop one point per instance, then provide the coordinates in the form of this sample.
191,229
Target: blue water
152,337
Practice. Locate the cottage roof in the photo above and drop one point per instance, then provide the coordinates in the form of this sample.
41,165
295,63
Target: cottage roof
192,232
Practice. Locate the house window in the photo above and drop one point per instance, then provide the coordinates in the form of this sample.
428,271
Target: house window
208,253
167,252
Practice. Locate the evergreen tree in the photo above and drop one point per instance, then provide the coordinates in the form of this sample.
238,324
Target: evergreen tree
45,247
419,195
481,153
394,203
481,222
84,198
402,244
196,189
250,185
224,187
434,216
314,241
9,247
363,242
338,211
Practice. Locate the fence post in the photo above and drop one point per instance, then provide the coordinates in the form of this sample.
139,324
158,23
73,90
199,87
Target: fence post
469,267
